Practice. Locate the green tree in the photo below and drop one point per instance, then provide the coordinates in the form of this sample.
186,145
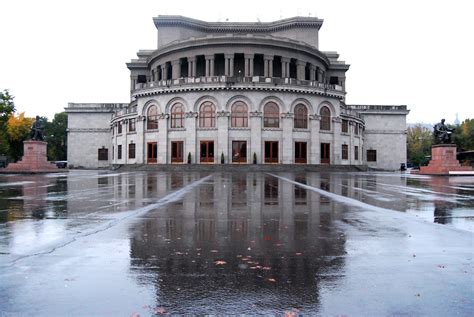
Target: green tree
7,107
419,141
56,135
463,136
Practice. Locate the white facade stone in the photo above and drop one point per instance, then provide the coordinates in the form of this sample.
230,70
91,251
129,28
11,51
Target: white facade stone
196,64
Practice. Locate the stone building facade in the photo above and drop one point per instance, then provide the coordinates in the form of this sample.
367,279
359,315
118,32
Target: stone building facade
236,93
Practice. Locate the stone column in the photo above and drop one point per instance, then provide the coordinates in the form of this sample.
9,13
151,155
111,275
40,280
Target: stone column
314,147
336,132
248,65
320,75
190,142
157,71
231,66
223,136
300,70
312,72
176,69
287,138
285,67
192,66
209,65
255,145
165,72
268,65
162,144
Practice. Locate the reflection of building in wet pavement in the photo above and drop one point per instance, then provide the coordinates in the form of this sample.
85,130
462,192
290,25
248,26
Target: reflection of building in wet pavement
442,208
31,196
242,237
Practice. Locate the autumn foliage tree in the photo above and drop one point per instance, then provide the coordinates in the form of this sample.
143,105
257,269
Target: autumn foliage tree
18,130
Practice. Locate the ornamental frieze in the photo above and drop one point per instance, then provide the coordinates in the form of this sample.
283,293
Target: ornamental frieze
314,117
287,115
255,114
337,119
162,116
191,114
223,113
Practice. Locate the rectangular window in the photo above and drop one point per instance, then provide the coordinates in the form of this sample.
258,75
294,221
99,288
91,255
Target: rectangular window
345,126
131,125
345,152
356,153
119,127
103,154
371,155
131,151
239,151
119,152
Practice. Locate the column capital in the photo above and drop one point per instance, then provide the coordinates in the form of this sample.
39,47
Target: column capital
300,63
285,59
249,55
175,62
312,67
192,59
209,57
268,57
229,55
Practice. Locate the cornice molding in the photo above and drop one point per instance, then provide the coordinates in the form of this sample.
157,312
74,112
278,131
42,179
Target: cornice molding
237,27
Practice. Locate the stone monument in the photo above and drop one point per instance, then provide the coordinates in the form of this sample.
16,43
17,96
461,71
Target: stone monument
443,154
34,154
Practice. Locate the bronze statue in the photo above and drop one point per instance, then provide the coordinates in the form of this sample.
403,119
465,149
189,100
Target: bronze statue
37,130
442,133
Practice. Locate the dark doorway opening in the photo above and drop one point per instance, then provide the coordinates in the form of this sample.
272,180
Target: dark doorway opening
177,152
301,152
152,151
325,153
207,152
271,152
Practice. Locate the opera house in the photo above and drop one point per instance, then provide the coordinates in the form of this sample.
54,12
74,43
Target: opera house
236,93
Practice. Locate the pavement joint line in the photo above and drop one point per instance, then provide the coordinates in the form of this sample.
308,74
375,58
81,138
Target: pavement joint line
358,203
171,197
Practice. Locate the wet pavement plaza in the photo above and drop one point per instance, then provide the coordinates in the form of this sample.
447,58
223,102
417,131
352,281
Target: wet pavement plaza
97,243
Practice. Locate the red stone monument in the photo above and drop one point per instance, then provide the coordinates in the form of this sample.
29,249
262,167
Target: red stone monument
33,161
443,161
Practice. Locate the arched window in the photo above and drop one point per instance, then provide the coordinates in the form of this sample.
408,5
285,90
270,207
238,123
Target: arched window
177,116
207,115
271,115
152,118
301,117
325,114
239,117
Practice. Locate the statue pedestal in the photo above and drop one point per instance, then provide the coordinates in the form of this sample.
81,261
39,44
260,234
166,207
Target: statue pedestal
33,161
443,161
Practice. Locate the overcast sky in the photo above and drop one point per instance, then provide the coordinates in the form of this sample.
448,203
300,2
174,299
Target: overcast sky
415,52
